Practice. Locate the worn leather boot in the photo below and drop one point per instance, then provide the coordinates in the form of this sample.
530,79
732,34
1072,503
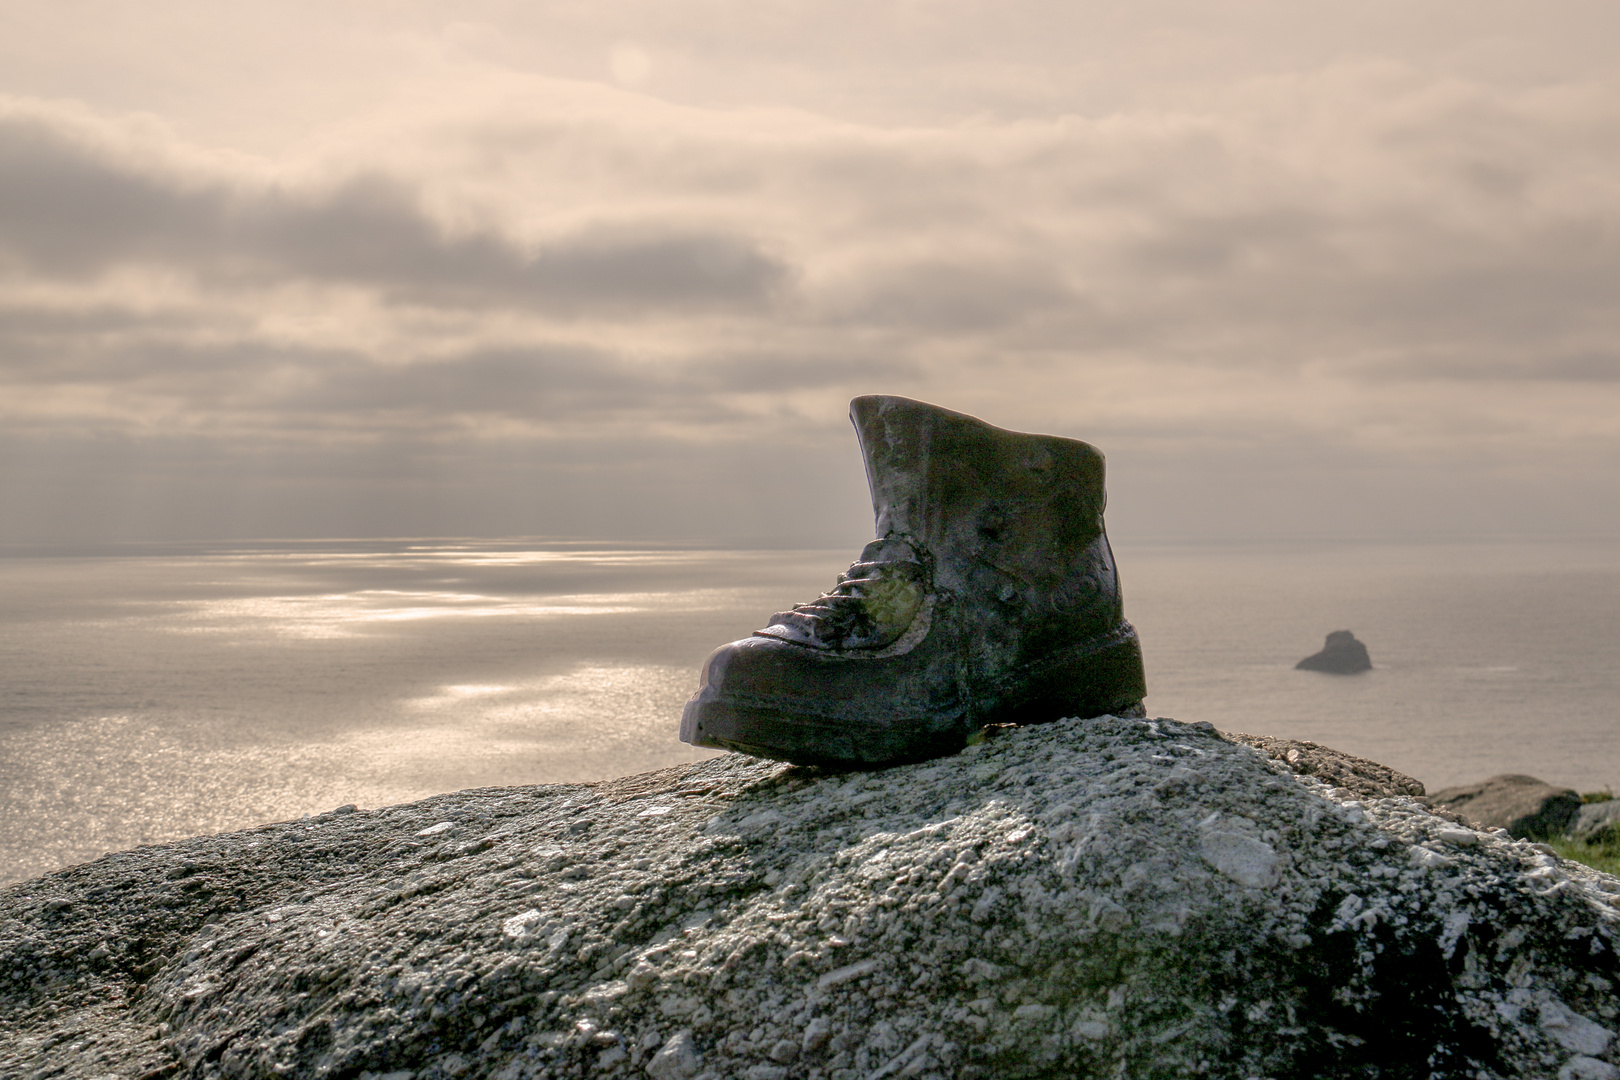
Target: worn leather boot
989,597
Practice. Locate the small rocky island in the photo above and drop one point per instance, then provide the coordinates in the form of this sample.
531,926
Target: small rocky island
1341,655
1088,898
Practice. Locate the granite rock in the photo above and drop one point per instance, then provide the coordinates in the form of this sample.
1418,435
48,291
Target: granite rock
1361,777
1342,654
1089,898
1523,805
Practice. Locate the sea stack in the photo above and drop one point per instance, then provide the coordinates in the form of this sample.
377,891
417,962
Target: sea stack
1341,655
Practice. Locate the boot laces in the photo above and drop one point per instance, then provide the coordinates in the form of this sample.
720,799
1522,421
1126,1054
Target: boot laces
872,604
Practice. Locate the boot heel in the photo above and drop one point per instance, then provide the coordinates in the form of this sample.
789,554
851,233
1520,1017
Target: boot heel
1092,682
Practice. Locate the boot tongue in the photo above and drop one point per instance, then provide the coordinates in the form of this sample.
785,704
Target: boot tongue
874,603
890,549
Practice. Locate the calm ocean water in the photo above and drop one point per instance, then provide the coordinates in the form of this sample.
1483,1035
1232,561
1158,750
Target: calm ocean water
149,697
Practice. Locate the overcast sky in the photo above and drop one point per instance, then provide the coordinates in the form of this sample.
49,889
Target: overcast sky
614,269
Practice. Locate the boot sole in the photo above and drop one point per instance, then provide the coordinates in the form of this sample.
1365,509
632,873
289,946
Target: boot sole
1103,677
783,736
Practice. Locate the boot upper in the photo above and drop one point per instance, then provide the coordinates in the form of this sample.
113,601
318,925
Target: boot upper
977,497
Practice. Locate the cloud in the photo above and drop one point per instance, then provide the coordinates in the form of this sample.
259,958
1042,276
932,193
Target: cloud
68,210
288,391
63,211
1581,367
1368,263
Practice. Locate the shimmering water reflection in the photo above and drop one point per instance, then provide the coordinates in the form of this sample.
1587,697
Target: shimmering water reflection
158,696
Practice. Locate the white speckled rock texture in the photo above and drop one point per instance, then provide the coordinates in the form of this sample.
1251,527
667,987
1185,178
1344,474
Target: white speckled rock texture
1090,898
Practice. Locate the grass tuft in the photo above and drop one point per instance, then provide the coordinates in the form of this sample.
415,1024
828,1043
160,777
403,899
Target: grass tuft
1601,850
1604,857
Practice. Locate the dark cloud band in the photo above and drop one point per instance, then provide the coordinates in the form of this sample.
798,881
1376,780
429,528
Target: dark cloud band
66,210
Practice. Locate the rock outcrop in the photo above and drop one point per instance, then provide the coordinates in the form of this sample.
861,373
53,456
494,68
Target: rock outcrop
1088,898
1524,806
1342,654
1360,777
1597,819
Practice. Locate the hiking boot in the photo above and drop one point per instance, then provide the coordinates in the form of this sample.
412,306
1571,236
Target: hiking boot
989,597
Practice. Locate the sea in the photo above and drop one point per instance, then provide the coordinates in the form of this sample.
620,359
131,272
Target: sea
148,694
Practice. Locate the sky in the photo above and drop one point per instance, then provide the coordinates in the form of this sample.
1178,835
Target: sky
614,269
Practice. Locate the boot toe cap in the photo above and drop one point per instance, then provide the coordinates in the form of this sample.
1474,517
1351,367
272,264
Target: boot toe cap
775,699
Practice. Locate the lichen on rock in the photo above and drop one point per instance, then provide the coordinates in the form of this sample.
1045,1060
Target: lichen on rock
1098,897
